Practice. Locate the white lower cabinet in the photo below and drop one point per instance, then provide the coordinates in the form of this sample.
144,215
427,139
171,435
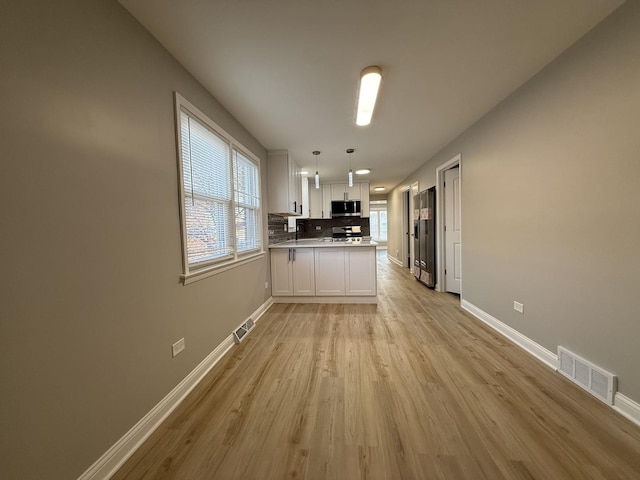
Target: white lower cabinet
292,272
360,271
304,279
323,272
329,263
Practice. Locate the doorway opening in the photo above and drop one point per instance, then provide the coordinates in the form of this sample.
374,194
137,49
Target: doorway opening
449,226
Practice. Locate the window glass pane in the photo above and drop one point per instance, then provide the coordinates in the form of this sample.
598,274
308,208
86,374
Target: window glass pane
247,197
206,167
209,235
383,225
373,224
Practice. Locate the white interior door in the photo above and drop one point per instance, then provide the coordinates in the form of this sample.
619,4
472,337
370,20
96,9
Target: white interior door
452,228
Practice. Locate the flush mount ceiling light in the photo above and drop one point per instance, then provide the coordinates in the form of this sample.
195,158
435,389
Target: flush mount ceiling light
350,177
370,79
379,189
363,171
317,176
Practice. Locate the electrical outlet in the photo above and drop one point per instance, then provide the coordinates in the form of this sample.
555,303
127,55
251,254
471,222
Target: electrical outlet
266,284
518,307
286,227
318,227
177,347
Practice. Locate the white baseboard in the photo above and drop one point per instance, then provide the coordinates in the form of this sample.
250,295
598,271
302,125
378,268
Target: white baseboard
621,403
538,351
627,407
395,260
115,457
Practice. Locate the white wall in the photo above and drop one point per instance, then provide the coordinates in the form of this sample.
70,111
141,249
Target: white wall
90,297
550,202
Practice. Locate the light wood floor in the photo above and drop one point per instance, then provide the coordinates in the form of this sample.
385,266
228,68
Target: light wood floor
413,388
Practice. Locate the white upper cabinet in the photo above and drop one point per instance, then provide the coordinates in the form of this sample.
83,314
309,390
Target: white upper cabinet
320,199
284,184
342,191
316,204
326,200
306,192
364,199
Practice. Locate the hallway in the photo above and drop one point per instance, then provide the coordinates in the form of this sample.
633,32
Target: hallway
413,388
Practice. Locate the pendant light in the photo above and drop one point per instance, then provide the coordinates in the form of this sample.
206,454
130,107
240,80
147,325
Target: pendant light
350,151
317,177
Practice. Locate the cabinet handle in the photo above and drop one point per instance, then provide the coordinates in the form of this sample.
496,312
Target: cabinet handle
289,259
295,206
294,254
300,209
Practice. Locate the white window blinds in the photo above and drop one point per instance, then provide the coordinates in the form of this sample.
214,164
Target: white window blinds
247,197
220,190
207,192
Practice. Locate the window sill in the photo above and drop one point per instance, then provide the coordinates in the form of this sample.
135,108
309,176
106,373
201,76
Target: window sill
207,272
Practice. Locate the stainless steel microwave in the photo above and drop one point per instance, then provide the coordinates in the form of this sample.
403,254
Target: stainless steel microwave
345,208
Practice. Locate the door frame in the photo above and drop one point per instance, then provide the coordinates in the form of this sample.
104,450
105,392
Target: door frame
440,247
405,244
413,191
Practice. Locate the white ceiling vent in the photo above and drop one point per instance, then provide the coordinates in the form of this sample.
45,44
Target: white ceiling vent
240,333
592,378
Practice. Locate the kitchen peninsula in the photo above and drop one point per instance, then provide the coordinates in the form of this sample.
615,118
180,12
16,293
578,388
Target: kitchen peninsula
319,270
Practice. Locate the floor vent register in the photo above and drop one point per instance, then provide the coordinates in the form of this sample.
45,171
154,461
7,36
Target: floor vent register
595,380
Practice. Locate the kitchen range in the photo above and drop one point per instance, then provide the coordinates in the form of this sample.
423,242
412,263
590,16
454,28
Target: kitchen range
348,234
336,269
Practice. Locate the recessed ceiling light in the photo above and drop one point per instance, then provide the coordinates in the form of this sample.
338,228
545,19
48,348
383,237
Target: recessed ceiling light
363,171
379,189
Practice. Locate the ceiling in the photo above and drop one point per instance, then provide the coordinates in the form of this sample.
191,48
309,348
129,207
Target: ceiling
288,69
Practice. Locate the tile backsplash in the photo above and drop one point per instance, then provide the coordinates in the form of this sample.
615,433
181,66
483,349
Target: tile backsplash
311,228
277,232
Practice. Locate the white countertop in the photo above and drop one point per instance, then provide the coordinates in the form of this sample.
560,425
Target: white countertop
322,243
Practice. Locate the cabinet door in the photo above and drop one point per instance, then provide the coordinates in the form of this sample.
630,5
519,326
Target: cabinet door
306,197
315,201
364,199
284,184
304,283
281,272
295,187
360,271
329,263
326,201
353,193
338,191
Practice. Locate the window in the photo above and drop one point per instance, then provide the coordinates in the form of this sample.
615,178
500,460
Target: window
378,220
219,195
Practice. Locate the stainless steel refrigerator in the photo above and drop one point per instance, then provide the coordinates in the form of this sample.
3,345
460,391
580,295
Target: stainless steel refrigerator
424,237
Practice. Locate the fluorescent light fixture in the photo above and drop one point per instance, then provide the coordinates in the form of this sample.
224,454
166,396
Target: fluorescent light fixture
304,172
379,189
363,171
370,79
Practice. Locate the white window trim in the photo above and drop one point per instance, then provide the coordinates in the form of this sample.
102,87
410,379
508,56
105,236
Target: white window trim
191,274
